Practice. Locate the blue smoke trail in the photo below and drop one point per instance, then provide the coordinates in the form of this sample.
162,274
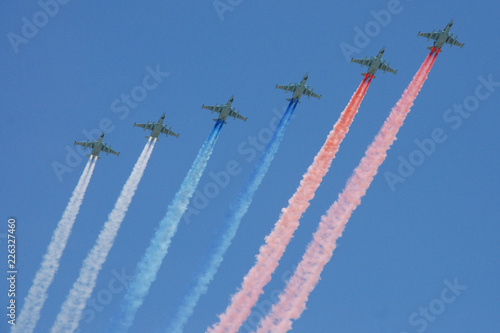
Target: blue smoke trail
232,222
148,266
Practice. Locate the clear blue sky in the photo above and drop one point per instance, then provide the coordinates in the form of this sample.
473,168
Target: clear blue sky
399,247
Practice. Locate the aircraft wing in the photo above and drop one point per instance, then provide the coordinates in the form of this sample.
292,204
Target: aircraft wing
216,108
86,144
429,35
453,41
147,126
107,150
362,62
290,87
386,68
237,115
168,132
310,93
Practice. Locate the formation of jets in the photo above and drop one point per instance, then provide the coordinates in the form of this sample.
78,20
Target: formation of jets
440,38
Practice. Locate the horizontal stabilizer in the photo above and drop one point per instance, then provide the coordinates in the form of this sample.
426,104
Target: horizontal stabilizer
93,155
289,99
366,74
430,48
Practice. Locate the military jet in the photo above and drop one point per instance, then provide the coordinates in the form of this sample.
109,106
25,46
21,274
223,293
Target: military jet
374,64
157,128
299,89
97,146
225,110
441,37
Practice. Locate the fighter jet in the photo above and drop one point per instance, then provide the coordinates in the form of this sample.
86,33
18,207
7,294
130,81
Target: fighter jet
225,110
157,128
299,89
441,37
97,146
374,64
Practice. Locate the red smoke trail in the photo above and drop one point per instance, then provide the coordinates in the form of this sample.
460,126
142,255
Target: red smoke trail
276,242
292,300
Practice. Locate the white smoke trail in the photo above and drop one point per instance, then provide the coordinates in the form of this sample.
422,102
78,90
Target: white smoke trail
71,311
147,268
37,295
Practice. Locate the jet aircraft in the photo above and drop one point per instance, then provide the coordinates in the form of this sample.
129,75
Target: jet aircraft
157,128
374,64
441,37
299,89
225,110
97,146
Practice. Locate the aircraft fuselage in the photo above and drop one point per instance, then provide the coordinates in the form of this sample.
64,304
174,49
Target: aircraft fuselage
375,65
97,147
300,90
155,133
442,37
225,111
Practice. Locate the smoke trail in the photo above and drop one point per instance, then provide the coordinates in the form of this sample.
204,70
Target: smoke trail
232,222
37,294
71,310
150,263
276,242
292,301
